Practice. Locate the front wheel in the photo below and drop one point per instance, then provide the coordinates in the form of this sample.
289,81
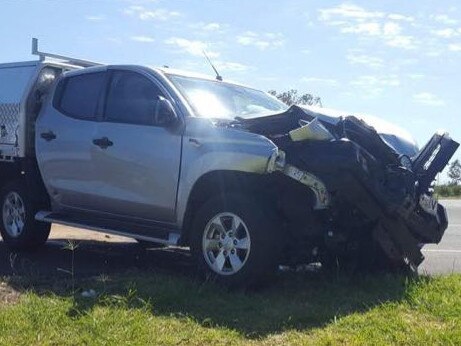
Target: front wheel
234,240
19,229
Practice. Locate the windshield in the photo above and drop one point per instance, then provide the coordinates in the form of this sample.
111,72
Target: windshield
214,99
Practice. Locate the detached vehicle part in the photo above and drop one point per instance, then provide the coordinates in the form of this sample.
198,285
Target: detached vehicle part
171,158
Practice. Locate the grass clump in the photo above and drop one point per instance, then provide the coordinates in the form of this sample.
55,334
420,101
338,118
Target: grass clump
297,309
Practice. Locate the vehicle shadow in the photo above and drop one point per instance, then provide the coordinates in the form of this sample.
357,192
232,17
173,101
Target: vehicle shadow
126,275
89,258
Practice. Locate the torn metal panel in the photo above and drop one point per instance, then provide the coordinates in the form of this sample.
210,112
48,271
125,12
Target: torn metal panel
433,158
312,182
363,172
277,163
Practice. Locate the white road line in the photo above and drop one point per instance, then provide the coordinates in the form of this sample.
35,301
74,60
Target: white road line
441,250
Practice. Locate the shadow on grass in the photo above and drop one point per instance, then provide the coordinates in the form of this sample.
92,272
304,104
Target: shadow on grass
300,301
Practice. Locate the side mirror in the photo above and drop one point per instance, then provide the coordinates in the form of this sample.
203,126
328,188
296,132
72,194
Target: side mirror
165,115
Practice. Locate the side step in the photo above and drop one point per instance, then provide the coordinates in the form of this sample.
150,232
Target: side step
120,228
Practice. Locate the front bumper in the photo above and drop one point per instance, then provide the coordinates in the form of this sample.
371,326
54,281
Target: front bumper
394,199
402,234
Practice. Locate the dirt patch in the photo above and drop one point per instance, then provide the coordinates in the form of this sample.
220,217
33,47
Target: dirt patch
8,295
72,233
93,254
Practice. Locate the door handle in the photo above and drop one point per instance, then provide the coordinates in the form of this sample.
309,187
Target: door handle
103,142
48,136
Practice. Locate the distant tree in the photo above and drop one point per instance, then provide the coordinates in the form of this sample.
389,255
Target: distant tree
454,172
291,97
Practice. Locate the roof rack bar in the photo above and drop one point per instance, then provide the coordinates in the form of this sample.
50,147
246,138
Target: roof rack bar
70,60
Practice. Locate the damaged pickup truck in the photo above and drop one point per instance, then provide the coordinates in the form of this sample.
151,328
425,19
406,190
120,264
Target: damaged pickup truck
171,158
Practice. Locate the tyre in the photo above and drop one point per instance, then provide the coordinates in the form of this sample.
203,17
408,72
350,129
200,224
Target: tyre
234,240
19,229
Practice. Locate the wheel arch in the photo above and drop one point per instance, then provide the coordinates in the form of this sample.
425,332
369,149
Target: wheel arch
27,171
9,171
219,182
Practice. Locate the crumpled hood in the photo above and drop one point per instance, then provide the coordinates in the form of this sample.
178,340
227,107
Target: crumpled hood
278,125
394,136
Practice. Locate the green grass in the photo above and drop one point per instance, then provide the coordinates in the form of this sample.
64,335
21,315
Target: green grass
448,191
297,309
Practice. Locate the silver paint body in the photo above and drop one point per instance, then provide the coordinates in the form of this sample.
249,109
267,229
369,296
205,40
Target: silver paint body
149,172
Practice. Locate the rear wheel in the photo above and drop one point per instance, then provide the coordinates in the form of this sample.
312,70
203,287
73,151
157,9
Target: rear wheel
19,229
234,240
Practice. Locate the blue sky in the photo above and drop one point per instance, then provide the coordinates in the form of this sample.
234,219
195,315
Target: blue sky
400,60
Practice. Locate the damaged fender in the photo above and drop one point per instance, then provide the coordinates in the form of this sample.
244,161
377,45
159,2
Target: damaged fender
277,164
356,170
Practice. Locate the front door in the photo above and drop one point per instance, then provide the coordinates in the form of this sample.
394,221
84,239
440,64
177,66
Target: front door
136,160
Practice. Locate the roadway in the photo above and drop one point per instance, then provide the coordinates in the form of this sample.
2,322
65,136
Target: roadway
445,257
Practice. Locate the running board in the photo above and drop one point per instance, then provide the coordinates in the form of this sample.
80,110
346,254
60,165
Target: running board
171,238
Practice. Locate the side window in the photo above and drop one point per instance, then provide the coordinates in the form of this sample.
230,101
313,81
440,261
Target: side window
132,99
78,95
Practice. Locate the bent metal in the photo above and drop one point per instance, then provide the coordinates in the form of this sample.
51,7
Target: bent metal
169,157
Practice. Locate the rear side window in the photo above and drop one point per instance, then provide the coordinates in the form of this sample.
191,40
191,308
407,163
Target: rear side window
131,99
78,95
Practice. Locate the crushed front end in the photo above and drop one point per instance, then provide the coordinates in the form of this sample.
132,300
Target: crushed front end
365,198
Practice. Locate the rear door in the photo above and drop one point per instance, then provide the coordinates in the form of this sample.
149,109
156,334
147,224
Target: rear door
65,130
137,161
